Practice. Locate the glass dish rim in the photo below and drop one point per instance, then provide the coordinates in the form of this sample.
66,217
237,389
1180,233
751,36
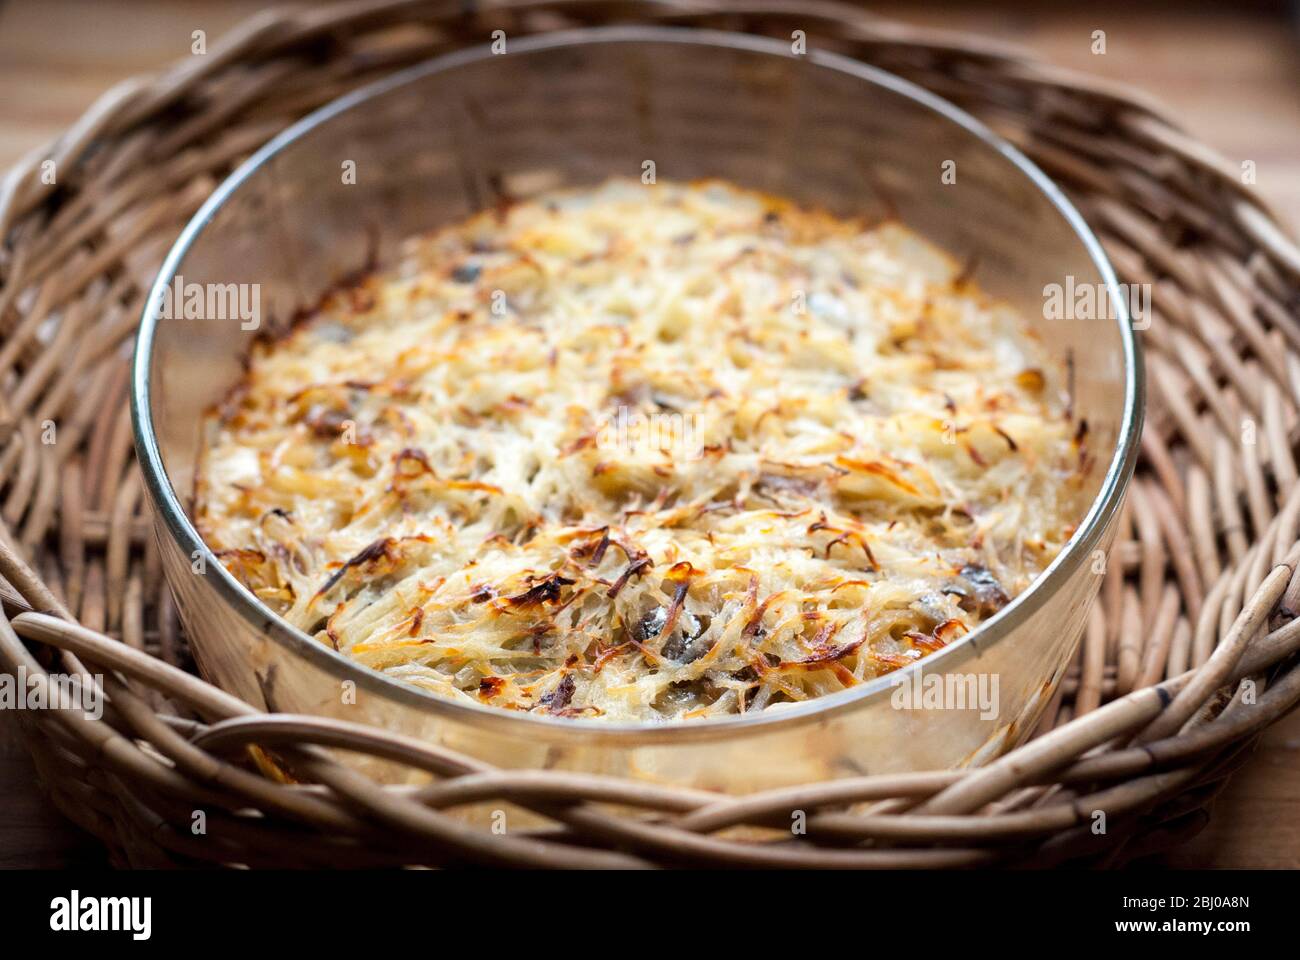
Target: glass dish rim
1103,509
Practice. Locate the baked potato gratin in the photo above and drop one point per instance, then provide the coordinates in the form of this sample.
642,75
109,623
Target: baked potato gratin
643,453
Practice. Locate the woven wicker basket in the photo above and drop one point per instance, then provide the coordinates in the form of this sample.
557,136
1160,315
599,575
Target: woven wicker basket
1188,655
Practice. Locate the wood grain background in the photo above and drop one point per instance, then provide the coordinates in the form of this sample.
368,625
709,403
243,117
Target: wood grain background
1229,72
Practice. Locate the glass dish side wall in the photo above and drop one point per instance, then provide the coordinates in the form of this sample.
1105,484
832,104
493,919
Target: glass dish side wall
473,129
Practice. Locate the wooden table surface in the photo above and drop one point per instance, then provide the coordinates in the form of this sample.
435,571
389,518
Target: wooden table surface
1230,73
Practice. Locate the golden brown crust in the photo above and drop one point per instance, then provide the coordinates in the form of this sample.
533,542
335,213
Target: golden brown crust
643,453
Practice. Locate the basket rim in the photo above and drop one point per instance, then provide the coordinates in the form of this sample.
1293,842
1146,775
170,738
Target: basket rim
1102,510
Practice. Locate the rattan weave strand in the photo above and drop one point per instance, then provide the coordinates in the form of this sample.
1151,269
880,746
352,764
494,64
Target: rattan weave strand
1189,653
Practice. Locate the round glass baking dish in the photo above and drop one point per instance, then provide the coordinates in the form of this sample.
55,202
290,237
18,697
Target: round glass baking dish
333,196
